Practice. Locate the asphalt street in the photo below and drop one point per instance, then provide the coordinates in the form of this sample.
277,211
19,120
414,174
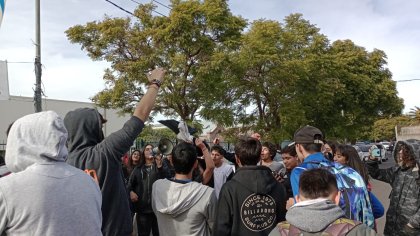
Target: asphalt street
382,190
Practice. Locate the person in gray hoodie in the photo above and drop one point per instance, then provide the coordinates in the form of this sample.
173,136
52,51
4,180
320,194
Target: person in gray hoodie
44,195
182,206
101,157
317,212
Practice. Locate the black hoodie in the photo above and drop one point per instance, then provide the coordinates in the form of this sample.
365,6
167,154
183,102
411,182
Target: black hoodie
252,203
89,151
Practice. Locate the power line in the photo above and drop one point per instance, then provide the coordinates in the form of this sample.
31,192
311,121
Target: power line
20,62
122,9
406,80
162,4
152,9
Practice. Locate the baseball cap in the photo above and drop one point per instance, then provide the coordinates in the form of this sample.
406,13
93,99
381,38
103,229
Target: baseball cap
307,134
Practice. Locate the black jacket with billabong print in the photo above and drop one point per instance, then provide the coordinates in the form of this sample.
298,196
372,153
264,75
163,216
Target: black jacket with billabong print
251,203
404,205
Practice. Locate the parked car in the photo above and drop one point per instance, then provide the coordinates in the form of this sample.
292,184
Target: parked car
386,144
365,151
359,151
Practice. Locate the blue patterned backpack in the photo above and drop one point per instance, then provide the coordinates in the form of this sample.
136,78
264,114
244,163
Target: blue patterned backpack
354,196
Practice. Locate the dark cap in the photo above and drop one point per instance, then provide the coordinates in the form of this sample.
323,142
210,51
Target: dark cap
308,134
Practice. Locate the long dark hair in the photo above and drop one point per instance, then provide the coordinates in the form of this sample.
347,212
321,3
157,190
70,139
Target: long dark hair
130,159
142,161
408,157
353,160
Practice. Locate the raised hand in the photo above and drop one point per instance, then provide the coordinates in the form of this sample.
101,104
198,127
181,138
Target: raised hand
156,74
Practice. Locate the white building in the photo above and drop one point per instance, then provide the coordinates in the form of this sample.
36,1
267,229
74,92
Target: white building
16,107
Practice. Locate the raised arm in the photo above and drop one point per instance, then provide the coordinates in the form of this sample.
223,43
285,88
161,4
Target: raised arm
385,175
119,142
208,172
145,106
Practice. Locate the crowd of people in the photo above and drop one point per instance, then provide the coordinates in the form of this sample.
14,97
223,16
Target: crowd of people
68,179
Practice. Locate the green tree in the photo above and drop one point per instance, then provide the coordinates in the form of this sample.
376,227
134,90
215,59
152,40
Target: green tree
190,41
288,75
261,81
415,113
384,129
273,78
150,134
366,91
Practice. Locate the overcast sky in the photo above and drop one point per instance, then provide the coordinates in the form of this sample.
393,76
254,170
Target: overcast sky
68,73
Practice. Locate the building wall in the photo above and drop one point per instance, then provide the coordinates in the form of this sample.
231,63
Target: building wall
17,107
408,132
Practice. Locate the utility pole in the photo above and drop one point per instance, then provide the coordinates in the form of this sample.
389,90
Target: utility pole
38,68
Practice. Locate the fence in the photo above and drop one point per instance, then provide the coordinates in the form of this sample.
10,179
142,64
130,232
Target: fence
140,144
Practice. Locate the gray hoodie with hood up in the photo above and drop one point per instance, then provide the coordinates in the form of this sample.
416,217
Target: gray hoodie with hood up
44,195
183,208
314,216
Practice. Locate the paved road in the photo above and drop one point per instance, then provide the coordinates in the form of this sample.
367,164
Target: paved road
382,190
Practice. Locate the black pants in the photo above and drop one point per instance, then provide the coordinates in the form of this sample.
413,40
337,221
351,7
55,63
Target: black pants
147,222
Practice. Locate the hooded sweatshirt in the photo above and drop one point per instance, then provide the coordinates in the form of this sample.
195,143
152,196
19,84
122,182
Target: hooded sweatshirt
251,203
101,158
318,214
314,216
404,206
183,208
44,195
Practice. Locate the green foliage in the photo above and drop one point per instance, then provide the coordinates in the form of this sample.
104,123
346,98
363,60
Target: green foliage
367,91
415,113
384,129
189,43
273,78
290,75
153,135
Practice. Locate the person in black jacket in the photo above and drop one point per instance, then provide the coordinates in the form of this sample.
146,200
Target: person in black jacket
252,202
403,214
1,160
140,185
100,157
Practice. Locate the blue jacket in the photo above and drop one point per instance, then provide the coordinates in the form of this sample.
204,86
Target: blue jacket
377,207
294,178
